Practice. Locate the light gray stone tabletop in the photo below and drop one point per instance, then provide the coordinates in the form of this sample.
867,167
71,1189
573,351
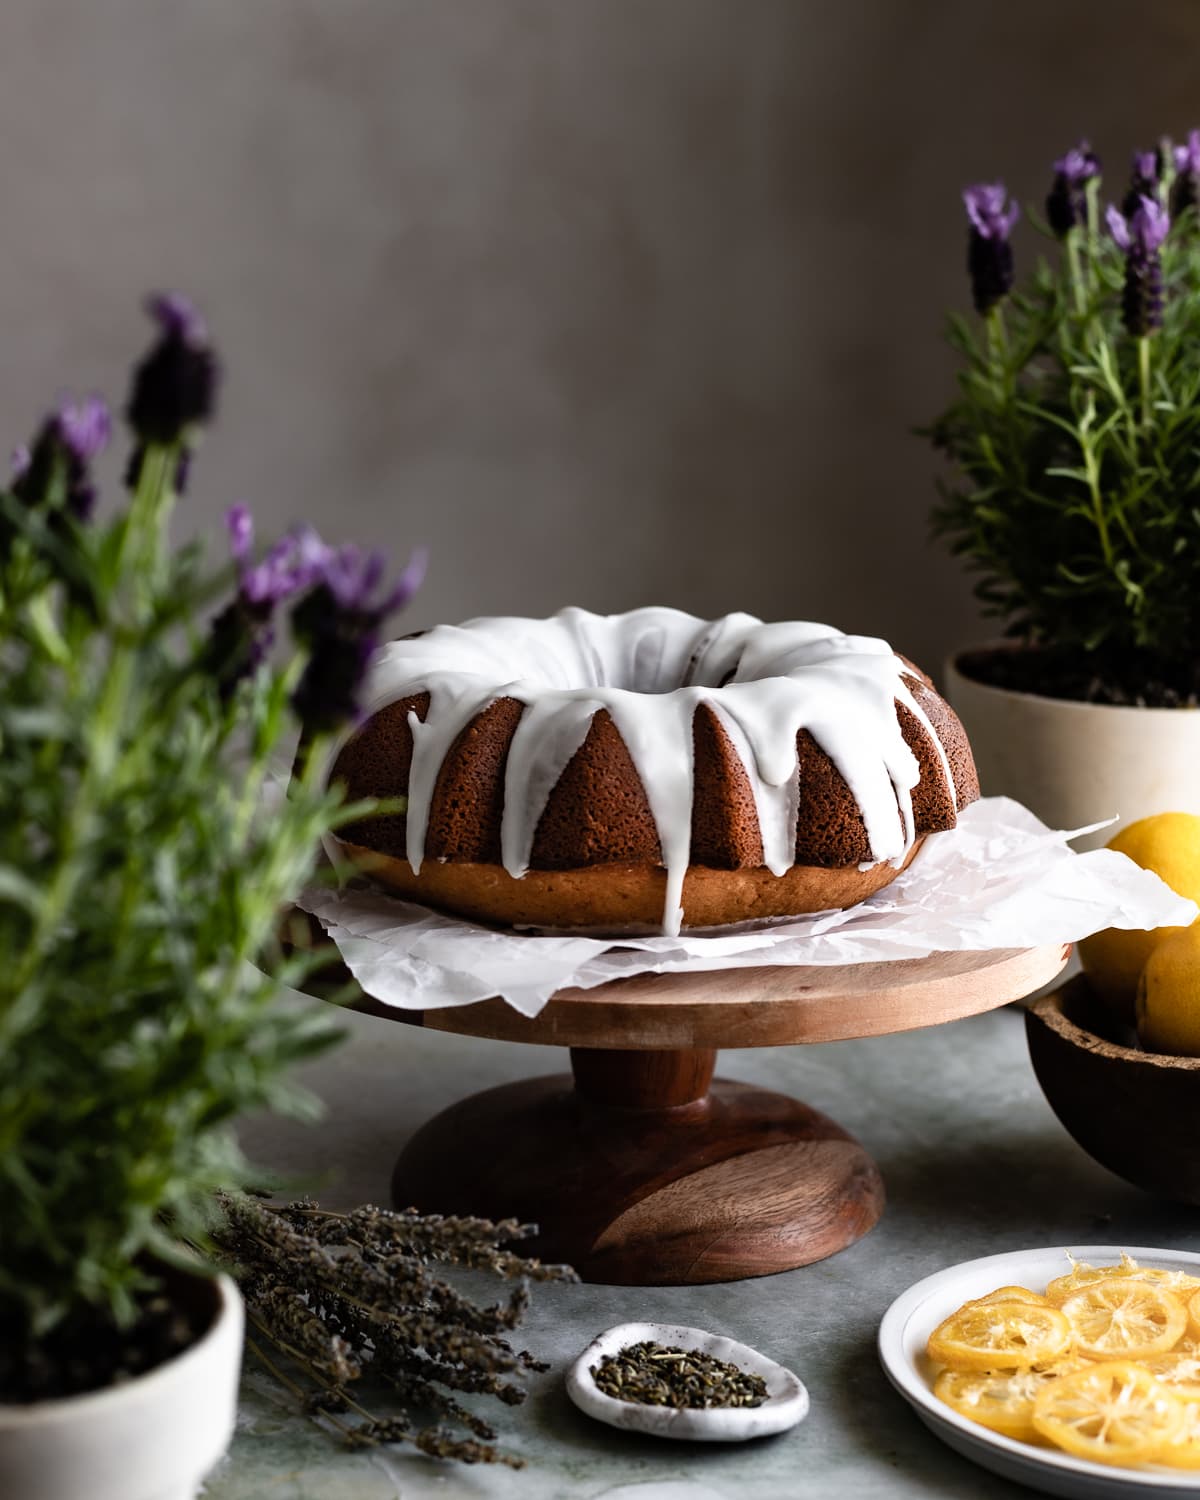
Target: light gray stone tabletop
974,1163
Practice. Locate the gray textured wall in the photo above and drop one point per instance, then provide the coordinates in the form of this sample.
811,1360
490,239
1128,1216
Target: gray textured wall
611,301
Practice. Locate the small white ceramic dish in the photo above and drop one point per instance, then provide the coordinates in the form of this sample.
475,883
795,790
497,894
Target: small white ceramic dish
914,1315
786,1403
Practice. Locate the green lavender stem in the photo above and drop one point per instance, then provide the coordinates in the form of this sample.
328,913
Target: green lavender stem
1075,272
1092,200
997,335
144,529
1092,470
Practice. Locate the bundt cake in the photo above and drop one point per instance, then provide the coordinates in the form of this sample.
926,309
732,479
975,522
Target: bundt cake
643,771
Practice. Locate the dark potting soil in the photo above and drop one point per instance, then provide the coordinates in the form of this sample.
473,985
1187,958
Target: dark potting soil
87,1351
1080,677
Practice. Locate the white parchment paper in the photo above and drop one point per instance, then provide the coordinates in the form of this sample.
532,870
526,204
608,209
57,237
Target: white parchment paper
1001,879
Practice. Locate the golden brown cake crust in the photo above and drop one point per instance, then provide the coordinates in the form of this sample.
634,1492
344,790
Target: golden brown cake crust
597,827
598,813
622,897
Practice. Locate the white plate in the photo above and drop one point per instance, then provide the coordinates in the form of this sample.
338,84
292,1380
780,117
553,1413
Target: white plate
786,1403
914,1315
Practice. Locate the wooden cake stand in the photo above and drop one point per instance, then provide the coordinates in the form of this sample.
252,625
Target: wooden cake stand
638,1166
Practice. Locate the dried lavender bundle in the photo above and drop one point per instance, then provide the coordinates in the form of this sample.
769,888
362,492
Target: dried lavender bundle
332,1298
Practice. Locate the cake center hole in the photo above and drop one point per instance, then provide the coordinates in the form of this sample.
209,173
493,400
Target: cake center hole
653,669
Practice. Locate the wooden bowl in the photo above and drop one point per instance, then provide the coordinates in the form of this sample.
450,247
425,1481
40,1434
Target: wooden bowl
1137,1113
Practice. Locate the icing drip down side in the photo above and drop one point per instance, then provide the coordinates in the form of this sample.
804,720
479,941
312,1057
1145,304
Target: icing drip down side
651,669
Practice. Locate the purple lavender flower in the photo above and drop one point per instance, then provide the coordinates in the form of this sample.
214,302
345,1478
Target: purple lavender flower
340,622
177,315
1141,236
989,254
990,212
1187,157
1185,190
1146,174
239,639
85,428
1066,203
1147,166
295,562
338,618
56,469
1142,233
174,387
352,577
244,632
240,524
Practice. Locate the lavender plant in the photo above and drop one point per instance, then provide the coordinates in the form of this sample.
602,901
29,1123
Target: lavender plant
140,717
1074,439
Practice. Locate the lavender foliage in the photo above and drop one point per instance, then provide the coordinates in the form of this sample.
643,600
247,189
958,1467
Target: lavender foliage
142,890
1073,490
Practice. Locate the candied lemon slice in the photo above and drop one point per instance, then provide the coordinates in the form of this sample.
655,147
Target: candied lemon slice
1012,1294
1115,1413
1179,1370
1081,1274
1178,1282
1193,1316
1002,1400
1000,1336
1183,1451
1122,1318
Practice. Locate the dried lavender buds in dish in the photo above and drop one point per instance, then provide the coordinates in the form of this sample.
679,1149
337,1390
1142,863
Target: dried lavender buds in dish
657,1375
684,1383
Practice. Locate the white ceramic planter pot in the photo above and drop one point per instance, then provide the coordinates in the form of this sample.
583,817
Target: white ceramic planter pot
152,1438
1076,763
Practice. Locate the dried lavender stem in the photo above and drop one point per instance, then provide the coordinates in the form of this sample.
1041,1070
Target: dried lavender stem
336,1294
306,1364
295,1390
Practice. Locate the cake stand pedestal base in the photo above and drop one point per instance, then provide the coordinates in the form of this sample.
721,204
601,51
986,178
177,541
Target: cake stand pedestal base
642,1170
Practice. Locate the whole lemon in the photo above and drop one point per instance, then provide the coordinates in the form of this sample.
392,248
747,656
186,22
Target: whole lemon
1169,844
1168,997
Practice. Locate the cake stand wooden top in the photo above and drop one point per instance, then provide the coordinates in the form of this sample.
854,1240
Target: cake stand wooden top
753,1007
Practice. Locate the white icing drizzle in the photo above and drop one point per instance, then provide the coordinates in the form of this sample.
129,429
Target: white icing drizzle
651,669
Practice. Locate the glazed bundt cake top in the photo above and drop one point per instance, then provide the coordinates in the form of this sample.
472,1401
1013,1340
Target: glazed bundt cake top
651,669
